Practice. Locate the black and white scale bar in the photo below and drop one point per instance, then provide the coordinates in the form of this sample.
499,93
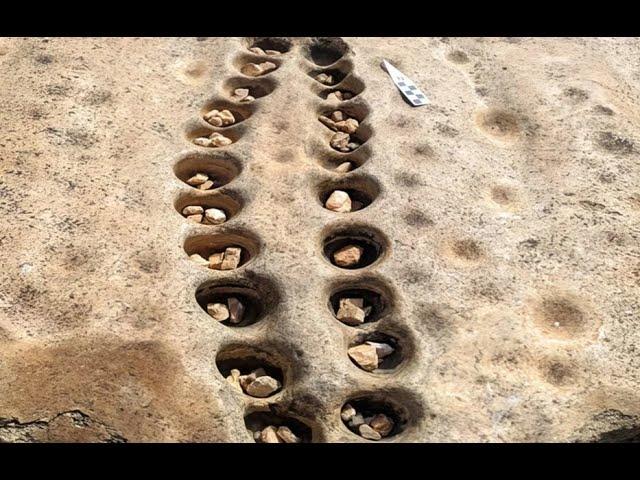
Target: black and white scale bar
406,86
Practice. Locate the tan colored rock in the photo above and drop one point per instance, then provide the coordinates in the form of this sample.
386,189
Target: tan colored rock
356,420
365,356
287,436
269,435
196,257
339,141
248,99
349,125
352,146
246,380
219,140
236,310
240,94
206,185
327,121
215,216
335,96
215,260
263,386
338,116
195,218
350,312
382,424
339,201
251,70
325,79
192,210
234,380
348,412
203,142
231,260
257,50
382,349
218,311
267,67
369,433
348,256
220,118
272,52
344,167
198,179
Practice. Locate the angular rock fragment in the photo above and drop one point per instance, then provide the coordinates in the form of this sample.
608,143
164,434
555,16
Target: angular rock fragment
218,311
351,311
382,349
257,50
214,140
263,386
356,421
272,52
215,216
269,435
192,210
287,436
338,116
348,412
339,201
195,218
350,125
241,95
340,141
339,96
369,433
206,185
348,256
231,258
255,70
234,379
324,78
365,356
236,310
215,260
381,424
198,179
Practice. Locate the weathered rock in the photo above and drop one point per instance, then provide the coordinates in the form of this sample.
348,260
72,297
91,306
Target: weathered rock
195,218
246,380
382,349
338,116
236,310
369,433
231,258
251,70
196,257
257,50
287,435
267,67
381,424
203,141
234,379
338,201
218,311
348,412
365,356
192,210
206,185
220,118
352,146
327,121
335,96
215,260
349,125
325,79
215,216
239,94
339,141
356,420
344,167
348,256
272,52
263,386
351,312
269,435
219,140
198,179
248,98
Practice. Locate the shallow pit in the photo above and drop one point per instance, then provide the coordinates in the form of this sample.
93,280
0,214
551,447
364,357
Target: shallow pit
281,44
372,241
231,204
206,245
220,166
324,51
258,86
247,358
370,404
362,189
256,421
259,297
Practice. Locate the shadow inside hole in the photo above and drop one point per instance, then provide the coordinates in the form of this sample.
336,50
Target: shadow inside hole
257,421
324,51
207,245
222,169
369,406
351,84
389,362
258,87
280,44
372,250
246,360
370,298
336,76
254,307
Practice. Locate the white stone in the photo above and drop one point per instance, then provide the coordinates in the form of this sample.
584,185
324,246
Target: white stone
215,216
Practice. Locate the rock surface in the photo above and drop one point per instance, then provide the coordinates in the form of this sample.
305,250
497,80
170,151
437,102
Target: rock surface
529,150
